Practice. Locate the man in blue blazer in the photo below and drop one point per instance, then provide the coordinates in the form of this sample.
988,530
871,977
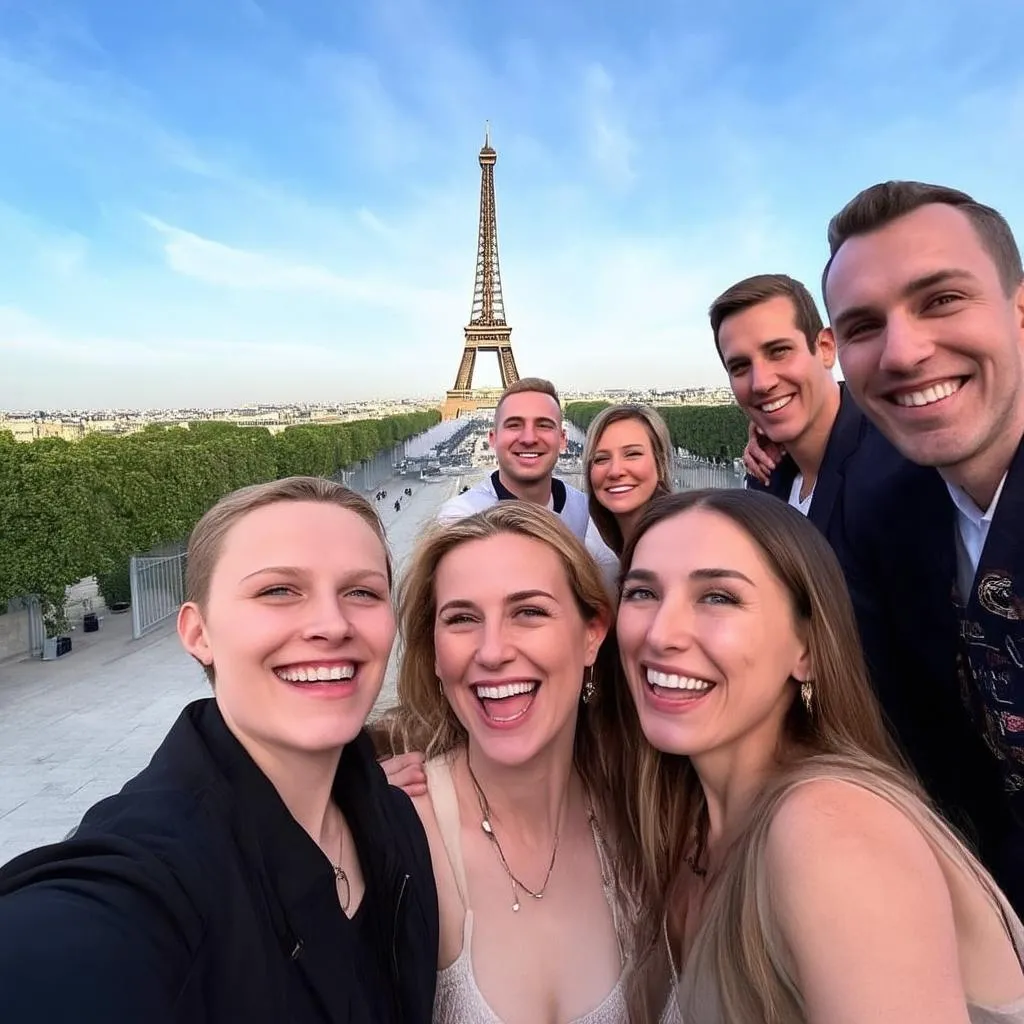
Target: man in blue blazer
818,445
925,294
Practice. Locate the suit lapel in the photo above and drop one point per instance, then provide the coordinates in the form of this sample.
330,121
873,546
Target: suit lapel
993,630
842,443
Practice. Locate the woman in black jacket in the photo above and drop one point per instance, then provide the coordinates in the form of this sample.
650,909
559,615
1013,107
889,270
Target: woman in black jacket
260,869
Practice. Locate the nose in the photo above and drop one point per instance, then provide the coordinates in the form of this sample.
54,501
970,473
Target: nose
762,378
671,628
327,620
616,467
906,344
494,649
528,434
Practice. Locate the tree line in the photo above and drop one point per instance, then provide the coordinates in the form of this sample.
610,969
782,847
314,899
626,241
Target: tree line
69,510
717,432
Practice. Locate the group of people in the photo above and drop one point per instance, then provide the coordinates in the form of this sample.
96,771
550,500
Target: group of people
714,757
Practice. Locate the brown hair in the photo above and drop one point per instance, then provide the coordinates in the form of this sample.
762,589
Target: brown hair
207,538
423,719
661,819
887,201
535,385
661,447
752,291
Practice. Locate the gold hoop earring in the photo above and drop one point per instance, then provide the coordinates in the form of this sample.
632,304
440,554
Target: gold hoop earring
589,688
807,695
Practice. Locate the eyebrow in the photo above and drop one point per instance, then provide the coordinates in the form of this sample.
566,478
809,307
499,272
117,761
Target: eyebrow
760,348
647,576
909,290
519,595
294,571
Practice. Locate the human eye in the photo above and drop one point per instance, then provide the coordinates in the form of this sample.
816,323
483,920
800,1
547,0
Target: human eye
636,592
721,597
277,590
456,619
365,594
532,611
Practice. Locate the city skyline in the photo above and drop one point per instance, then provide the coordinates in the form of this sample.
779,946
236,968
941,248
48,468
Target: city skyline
277,202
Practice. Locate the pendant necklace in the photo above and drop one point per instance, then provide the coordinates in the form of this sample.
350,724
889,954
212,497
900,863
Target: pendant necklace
341,878
488,829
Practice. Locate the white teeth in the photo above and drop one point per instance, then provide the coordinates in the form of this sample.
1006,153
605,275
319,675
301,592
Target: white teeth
929,395
620,489
317,674
779,403
504,690
528,455
672,682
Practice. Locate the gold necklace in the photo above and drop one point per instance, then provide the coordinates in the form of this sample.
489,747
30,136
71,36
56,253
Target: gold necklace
488,829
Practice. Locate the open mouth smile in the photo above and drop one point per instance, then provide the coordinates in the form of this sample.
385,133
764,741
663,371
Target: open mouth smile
929,395
672,691
319,674
776,404
505,703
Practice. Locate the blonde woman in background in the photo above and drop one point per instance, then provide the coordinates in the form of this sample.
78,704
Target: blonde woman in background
771,831
502,615
627,461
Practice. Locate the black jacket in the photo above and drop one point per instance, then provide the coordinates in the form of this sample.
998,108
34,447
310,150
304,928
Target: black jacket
193,896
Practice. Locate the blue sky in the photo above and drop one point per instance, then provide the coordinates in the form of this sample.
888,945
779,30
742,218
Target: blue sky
218,201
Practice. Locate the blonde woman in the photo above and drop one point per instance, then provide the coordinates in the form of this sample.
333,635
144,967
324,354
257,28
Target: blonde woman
773,835
260,869
627,462
502,615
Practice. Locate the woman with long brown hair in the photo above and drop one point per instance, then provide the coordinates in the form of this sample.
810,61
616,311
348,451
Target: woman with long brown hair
502,615
771,831
626,463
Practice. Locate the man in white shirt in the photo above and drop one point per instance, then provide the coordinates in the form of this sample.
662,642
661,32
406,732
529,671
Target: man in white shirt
925,294
527,438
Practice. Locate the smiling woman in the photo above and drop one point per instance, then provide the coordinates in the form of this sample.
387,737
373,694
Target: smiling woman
776,841
260,868
502,617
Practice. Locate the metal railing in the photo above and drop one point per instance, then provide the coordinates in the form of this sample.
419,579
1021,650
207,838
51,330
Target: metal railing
158,588
692,474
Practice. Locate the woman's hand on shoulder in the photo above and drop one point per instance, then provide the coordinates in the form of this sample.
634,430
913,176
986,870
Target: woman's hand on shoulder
864,909
406,772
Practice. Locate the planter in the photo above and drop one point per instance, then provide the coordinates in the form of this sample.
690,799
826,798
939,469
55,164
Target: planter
56,646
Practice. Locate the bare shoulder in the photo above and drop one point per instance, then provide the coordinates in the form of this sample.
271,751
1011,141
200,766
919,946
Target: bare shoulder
863,905
829,816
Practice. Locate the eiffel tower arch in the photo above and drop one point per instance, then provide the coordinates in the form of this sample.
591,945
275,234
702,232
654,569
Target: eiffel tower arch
487,330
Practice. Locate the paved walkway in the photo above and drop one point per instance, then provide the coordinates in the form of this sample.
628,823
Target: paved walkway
75,730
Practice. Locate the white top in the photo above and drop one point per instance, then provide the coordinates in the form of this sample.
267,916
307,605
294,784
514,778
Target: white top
971,533
575,513
802,506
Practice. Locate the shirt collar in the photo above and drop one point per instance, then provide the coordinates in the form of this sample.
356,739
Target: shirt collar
969,510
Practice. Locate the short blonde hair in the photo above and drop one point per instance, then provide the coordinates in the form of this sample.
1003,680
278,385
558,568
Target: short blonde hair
207,538
424,720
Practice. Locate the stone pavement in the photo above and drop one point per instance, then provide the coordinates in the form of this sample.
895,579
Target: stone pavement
75,730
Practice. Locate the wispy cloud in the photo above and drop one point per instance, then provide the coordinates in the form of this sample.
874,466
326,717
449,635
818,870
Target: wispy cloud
307,175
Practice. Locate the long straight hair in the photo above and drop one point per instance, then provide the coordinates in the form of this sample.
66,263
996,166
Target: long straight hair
661,449
660,814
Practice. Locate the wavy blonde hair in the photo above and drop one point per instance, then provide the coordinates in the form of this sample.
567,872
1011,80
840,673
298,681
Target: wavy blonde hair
661,448
661,817
423,720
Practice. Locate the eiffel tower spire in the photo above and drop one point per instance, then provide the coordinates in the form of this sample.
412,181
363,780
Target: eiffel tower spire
487,330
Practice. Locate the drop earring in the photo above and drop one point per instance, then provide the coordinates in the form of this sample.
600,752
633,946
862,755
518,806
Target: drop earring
807,696
589,689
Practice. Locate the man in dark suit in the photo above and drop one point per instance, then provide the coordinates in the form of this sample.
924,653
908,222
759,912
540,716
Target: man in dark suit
772,342
925,293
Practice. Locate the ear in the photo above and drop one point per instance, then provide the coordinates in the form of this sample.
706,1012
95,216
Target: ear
803,670
490,438
1018,304
192,632
563,444
826,345
597,630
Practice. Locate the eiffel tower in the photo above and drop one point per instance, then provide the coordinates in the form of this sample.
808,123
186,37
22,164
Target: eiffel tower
487,330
